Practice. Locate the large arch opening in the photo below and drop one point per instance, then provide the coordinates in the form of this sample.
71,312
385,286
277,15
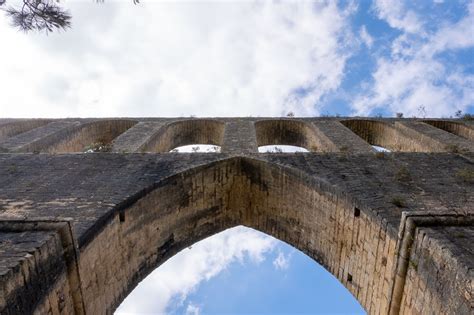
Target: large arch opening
230,273
304,212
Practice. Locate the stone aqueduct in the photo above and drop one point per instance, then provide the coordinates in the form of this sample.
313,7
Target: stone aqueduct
79,231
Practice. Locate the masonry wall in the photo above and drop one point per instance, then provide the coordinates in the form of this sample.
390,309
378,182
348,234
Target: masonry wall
79,231
355,249
438,271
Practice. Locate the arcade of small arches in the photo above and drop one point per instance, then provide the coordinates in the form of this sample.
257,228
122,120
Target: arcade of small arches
164,135
81,247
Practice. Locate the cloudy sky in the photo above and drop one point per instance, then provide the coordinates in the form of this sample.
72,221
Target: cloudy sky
240,271
241,58
222,58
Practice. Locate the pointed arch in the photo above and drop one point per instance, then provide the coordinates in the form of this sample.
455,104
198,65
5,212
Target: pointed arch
302,211
236,256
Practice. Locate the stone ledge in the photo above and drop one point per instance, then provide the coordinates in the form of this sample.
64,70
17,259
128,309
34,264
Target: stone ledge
70,249
410,221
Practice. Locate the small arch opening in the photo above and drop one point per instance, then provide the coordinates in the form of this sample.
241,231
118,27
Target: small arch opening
382,136
229,272
197,148
454,127
13,128
96,136
285,135
192,132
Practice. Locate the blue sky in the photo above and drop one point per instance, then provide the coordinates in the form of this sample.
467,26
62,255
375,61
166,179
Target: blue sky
240,271
243,58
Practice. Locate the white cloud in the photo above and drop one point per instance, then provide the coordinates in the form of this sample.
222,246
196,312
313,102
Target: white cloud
193,309
181,274
169,59
414,75
365,36
397,16
459,35
282,262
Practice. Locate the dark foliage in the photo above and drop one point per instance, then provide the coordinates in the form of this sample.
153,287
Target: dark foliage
40,15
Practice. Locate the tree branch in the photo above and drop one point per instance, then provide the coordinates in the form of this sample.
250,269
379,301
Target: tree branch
39,15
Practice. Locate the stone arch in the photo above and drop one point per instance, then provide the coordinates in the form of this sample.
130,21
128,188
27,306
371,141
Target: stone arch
12,128
274,257
186,132
454,127
286,132
87,135
387,135
312,216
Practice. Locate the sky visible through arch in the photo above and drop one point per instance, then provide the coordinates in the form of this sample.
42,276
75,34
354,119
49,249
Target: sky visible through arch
240,271
244,58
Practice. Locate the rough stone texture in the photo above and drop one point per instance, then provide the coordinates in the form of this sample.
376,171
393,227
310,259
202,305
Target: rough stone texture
24,141
78,231
460,129
240,137
137,137
23,257
334,137
9,128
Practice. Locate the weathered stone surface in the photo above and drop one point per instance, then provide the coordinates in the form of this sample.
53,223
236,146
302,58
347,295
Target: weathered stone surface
12,127
24,141
395,228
